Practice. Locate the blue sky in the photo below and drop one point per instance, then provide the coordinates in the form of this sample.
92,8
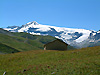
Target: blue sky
84,14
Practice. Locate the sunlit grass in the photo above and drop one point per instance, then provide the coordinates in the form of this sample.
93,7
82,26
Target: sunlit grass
84,61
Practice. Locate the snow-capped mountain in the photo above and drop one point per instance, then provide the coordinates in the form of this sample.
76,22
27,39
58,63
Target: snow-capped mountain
75,37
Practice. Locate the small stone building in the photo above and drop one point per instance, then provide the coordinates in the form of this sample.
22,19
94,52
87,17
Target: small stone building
56,45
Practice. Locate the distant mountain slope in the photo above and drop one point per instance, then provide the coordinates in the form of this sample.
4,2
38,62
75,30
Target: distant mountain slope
78,38
6,49
19,43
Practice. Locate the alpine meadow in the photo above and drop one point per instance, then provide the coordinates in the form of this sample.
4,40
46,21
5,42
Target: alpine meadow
49,37
85,61
22,54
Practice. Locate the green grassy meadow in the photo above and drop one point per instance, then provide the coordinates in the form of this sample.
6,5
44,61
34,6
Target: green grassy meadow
85,61
6,49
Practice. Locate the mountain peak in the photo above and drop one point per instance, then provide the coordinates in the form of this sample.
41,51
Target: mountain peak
33,22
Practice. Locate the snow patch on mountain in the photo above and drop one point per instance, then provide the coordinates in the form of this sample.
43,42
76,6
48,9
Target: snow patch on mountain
35,33
98,32
86,34
10,29
94,34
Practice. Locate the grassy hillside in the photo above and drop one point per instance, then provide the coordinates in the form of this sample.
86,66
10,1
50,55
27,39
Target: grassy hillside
7,49
42,39
19,43
24,41
84,61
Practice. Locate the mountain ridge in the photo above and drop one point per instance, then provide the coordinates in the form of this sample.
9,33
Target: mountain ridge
74,37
